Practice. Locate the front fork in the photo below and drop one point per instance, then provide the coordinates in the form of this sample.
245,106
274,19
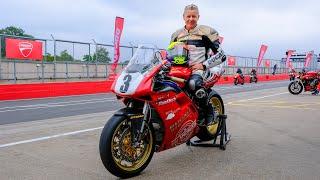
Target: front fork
138,135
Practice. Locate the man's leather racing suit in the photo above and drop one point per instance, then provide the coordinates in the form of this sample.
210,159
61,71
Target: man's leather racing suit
202,41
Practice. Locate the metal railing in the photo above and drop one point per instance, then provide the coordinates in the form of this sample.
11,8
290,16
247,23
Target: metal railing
84,60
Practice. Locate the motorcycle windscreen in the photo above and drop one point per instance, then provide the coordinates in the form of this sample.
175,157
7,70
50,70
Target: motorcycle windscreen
141,63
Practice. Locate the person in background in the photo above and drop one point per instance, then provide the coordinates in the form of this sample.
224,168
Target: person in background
239,71
274,69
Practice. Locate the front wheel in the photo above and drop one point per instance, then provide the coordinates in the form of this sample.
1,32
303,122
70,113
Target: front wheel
295,87
209,132
120,151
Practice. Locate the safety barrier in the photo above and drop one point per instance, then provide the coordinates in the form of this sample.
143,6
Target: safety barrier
42,90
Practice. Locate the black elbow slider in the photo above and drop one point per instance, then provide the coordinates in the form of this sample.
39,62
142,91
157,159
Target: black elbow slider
224,58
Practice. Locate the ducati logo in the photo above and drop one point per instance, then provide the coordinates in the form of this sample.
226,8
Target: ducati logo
25,48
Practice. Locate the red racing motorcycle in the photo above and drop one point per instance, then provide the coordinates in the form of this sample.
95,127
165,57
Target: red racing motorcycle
238,79
304,82
159,114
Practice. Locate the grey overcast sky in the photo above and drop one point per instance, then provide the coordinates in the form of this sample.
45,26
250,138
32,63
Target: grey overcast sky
245,25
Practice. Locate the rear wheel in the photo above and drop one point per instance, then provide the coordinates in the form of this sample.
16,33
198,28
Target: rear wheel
295,87
209,131
120,151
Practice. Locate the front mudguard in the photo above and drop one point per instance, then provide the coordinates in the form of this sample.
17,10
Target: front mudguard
130,113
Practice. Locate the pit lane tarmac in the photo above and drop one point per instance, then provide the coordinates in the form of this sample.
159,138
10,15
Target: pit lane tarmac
275,135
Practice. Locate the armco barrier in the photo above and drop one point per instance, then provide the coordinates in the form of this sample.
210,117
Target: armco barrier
27,91
41,90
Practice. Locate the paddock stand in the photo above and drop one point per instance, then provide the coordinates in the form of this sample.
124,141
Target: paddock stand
223,135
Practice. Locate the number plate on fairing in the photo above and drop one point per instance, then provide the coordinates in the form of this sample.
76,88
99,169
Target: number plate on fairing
127,83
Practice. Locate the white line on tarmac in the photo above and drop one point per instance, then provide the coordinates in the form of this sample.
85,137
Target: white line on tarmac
58,105
262,97
55,103
48,137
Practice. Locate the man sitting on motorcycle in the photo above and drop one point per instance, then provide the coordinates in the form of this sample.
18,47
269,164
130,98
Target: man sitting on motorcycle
200,40
253,72
239,71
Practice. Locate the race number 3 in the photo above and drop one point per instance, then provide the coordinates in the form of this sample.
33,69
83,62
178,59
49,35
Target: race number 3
126,82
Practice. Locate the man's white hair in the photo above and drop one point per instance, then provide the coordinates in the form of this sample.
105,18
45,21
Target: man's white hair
190,7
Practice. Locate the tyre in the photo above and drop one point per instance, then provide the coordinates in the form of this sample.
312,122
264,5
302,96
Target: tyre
295,87
209,132
119,154
235,82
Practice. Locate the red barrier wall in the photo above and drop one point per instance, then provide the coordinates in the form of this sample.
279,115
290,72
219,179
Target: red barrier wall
27,91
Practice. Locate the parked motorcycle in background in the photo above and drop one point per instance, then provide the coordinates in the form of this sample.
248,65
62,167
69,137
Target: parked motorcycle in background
238,79
253,77
308,81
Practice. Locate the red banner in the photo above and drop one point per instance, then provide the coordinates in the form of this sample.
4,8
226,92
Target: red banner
308,59
289,54
231,61
117,35
23,49
267,63
263,50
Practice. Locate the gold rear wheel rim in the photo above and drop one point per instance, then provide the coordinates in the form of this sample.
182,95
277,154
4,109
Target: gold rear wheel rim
217,105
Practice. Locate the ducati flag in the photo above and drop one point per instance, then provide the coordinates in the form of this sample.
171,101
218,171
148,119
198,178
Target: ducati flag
308,59
117,35
289,54
263,50
231,61
23,49
267,63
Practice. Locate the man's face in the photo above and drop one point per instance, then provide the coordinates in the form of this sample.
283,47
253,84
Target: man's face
191,18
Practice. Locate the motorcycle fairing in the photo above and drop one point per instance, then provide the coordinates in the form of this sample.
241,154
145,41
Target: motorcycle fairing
178,114
127,83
